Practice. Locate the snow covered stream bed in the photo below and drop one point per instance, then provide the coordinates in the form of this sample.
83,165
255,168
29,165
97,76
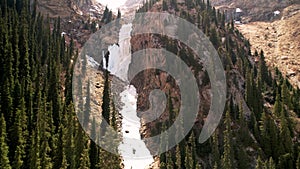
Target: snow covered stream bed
132,149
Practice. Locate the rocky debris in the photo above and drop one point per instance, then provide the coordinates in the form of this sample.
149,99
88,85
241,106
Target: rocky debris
98,85
290,73
284,57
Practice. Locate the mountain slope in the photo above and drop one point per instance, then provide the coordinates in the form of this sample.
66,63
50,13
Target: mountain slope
39,128
63,8
279,40
259,118
256,10
271,26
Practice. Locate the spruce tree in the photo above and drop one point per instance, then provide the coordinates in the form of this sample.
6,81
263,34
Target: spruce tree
114,115
165,5
163,144
105,15
170,164
54,93
277,105
119,14
94,150
84,162
106,158
215,150
270,164
78,143
24,68
188,158
64,163
34,155
4,160
249,88
20,132
285,161
285,134
87,107
106,99
227,158
259,163
192,144
60,160
285,95
264,129
44,127
263,69
70,145
298,161
214,37
178,157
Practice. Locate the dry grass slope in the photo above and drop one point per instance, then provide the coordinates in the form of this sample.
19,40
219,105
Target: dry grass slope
279,40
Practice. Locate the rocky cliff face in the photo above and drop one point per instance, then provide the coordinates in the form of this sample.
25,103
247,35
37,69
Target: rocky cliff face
63,8
151,79
256,10
78,18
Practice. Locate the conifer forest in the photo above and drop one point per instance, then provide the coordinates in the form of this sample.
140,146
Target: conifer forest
39,129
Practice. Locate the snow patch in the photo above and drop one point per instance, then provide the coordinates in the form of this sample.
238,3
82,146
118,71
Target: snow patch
63,33
133,149
238,10
276,13
120,55
92,62
125,6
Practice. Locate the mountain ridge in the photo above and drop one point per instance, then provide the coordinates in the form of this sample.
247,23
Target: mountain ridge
256,10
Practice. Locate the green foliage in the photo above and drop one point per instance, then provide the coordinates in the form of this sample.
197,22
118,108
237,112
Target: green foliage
285,161
270,164
178,157
188,158
84,162
94,150
263,69
215,151
298,161
259,163
39,128
214,37
38,115
107,16
106,99
165,5
119,14
4,160
20,133
87,107
256,127
227,157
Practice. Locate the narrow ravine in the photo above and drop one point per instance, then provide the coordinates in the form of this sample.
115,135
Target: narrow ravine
132,149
